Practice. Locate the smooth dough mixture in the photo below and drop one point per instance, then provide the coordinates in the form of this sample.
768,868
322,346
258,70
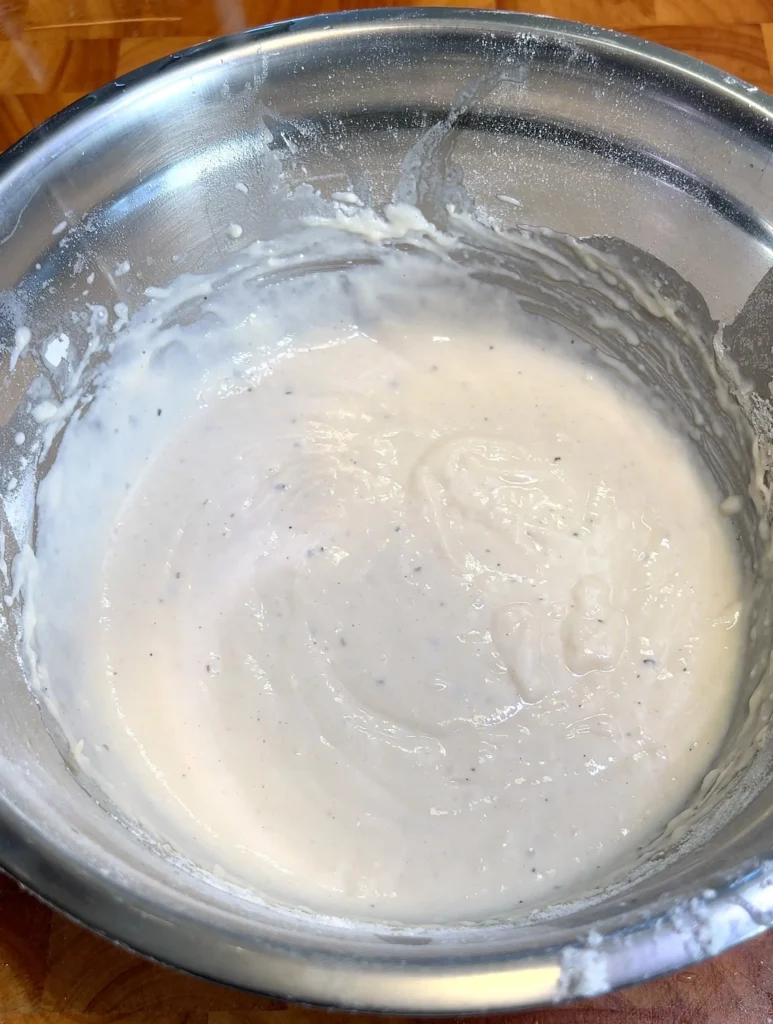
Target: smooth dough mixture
414,616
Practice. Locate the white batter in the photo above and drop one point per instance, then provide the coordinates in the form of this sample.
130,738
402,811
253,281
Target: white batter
428,621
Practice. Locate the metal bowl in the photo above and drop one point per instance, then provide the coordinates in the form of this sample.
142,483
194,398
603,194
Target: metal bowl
592,133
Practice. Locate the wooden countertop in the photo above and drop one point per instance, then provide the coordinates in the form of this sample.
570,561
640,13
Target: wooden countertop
53,51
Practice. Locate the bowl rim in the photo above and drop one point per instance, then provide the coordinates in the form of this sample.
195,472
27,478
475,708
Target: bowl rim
114,909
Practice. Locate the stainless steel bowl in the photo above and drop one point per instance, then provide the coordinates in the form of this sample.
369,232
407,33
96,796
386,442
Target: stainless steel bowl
594,134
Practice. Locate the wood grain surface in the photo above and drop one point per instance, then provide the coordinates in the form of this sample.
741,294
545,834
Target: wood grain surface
53,51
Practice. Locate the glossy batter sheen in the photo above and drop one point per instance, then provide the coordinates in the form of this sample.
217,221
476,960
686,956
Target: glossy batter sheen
410,625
